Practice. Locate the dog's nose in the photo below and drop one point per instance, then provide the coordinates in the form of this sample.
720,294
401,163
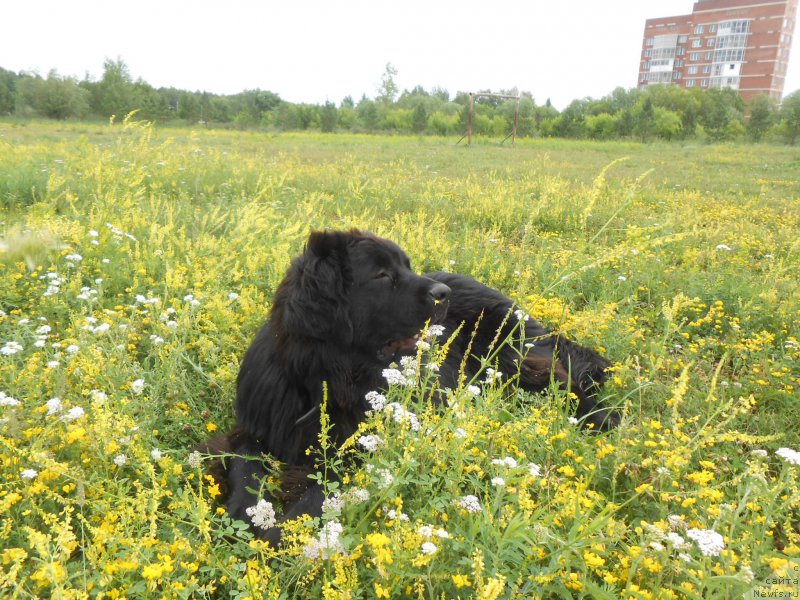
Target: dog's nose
439,292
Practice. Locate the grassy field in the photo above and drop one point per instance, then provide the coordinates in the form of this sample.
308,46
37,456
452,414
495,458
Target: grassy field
136,264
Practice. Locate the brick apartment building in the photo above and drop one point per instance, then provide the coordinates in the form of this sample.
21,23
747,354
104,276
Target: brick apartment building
740,44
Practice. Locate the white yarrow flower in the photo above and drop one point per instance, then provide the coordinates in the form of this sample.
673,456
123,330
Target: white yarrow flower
194,459
789,455
470,503
74,413
10,348
507,462
370,442
8,400
54,406
137,387
428,548
327,541
262,515
435,331
395,377
376,401
29,473
120,460
708,540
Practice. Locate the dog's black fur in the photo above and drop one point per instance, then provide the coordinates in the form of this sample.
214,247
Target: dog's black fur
348,306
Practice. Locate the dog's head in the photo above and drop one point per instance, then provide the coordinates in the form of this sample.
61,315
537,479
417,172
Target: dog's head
357,291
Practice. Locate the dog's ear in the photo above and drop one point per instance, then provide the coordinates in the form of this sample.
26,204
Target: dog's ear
315,291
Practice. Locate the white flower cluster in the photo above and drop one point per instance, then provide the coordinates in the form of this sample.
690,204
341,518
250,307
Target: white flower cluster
434,331
789,455
521,315
29,473
54,406
118,234
88,294
428,548
509,462
395,377
10,348
470,503
401,415
492,376
8,400
142,299
534,469
54,281
395,515
337,501
376,401
386,477
194,460
708,540
262,515
473,390
193,302
370,442
326,543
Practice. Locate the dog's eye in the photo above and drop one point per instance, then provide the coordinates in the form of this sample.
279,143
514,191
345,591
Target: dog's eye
383,275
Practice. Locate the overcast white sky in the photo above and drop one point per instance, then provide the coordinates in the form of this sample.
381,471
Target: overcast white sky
312,51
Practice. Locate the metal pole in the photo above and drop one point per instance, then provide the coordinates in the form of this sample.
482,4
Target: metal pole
469,118
516,120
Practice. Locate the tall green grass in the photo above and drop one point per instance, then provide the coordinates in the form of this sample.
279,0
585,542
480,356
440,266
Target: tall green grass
678,262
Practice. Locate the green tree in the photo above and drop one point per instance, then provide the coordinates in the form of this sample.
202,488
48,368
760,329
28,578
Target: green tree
644,118
667,123
328,117
419,118
368,114
720,106
762,116
790,117
388,88
114,92
602,126
8,87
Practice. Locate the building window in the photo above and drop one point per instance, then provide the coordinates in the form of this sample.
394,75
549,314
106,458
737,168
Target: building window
740,26
712,28
710,43
678,63
699,30
707,69
676,75
648,53
694,56
682,39
704,83
691,71
690,83
709,55
680,51
650,41
698,43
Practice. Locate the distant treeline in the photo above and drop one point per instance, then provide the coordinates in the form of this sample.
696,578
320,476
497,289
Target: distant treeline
665,112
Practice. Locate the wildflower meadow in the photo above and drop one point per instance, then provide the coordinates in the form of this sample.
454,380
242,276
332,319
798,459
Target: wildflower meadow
136,264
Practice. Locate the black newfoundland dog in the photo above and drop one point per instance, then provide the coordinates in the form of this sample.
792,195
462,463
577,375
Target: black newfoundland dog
348,306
